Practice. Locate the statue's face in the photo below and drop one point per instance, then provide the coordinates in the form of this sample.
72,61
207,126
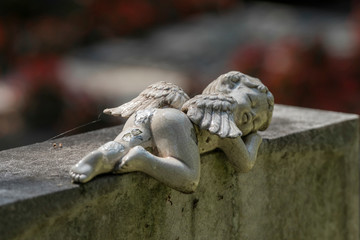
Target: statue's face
252,109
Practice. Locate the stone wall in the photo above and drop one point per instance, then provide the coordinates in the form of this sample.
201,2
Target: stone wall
305,185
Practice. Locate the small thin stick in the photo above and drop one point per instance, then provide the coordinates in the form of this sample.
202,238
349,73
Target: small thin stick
81,126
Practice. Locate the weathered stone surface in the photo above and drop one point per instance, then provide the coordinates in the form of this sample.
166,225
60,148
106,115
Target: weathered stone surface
305,185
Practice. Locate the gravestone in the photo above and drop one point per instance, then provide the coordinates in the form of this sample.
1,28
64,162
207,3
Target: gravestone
305,185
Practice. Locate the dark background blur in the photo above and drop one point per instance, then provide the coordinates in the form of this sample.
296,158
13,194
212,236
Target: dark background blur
63,61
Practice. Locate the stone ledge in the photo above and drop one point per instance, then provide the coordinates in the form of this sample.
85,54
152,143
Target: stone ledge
305,185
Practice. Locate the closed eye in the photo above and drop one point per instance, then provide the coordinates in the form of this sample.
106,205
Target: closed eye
252,103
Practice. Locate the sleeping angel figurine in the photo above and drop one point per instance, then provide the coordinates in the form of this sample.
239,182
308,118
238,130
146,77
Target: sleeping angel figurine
166,131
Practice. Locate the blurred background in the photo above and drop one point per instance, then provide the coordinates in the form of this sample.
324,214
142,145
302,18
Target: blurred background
63,61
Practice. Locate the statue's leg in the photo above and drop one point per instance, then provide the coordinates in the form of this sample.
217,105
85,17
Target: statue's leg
99,161
177,160
106,157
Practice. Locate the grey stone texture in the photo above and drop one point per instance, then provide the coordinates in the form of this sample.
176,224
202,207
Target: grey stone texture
305,185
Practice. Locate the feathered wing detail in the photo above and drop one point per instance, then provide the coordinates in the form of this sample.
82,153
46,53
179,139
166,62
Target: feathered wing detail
213,112
157,95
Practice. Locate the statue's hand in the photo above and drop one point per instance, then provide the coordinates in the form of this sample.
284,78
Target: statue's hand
253,138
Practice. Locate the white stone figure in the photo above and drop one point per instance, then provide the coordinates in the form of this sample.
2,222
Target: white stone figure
166,131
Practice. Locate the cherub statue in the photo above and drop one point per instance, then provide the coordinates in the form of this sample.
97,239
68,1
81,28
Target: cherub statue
166,131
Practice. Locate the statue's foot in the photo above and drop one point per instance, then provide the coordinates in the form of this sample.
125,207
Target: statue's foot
90,166
133,160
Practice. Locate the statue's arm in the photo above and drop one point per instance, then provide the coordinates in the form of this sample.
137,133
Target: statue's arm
241,152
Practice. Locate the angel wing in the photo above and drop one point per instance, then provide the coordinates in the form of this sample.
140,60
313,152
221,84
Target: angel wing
157,95
214,112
